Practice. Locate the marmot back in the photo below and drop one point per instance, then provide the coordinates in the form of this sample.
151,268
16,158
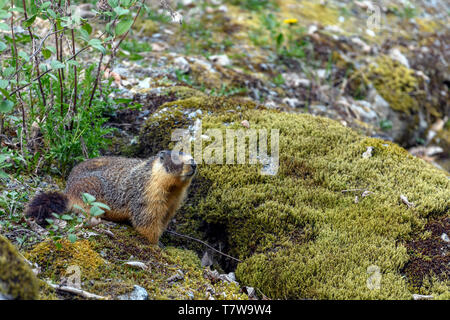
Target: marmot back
145,192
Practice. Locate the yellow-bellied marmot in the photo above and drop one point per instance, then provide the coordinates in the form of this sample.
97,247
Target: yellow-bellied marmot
145,192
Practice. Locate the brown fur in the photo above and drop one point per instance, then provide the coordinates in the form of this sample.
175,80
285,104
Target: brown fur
145,192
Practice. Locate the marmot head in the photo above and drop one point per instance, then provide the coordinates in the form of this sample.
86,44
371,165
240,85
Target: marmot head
177,164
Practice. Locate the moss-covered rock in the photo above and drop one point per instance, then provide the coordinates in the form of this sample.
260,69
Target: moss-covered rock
103,269
396,84
17,281
156,133
301,233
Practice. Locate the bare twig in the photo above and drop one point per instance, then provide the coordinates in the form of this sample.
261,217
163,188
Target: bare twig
76,291
97,78
114,50
204,243
36,62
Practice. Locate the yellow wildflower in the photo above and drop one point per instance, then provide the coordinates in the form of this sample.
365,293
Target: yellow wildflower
290,21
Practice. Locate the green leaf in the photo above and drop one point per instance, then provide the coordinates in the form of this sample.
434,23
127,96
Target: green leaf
113,3
84,34
87,27
87,198
72,237
27,23
6,106
96,211
46,53
8,71
3,84
24,55
45,5
3,2
121,11
3,46
4,26
101,205
123,26
78,207
73,63
51,13
55,64
4,14
66,217
97,44
3,175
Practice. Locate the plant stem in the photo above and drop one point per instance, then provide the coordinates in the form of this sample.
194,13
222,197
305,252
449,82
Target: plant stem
36,63
97,78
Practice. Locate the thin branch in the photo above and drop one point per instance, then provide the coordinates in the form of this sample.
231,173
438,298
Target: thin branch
36,63
114,50
37,50
97,79
76,291
204,243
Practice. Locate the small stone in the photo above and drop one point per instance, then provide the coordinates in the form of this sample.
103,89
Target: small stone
368,153
182,64
190,295
321,73
246,124
406,201
206,260
293,80
422,297
176,277
292,102
223,8
445,237
221,60
138,293
312,29
251,292
396,55
145,84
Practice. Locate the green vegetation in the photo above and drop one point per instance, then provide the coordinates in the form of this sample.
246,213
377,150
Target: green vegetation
396,84
51,105
300,233
17,281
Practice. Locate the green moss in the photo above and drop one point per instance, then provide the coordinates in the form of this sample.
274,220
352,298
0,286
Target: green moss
162,264
56,259
16,278
396,84
146,26
156,133
298,234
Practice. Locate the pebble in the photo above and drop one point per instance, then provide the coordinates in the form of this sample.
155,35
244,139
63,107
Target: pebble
182,64
138,293
221,60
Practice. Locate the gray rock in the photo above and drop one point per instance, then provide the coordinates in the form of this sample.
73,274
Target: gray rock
138,293
206,260
221,60
182,64
176,277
